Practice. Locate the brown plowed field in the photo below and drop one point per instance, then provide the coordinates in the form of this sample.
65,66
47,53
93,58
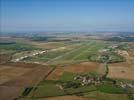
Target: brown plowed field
9,93
82,67
76,68
30,78
121,72
8,73
4,58
124,70
14,77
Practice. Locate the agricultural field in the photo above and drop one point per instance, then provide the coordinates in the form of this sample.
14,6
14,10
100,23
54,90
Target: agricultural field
13,47
106,96
84,67
71,54
76,68
66,49
122,70
8,73
15,76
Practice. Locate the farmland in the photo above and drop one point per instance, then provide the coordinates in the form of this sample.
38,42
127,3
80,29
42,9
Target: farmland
66,49
71,54
80,68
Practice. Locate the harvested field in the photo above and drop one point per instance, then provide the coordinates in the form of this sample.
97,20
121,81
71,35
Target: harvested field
4,58
8,73
76,68
31,78
82,67
9,93
121,72
131,53
101,69
66,98
15,76
55,75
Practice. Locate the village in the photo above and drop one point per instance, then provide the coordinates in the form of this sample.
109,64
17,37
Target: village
88,80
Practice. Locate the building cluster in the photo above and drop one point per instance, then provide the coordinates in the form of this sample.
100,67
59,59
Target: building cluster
122,52
126,85
87,80
103,50
114,46
31,55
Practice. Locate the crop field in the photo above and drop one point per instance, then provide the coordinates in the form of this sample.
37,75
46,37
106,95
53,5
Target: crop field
79,54
106,96
15,47
53,54
15,76
71,54
47,56
66,49
47,45
8,73
121,72
30,78
48,88
57,68
84,67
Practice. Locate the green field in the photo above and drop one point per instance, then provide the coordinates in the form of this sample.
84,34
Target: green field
80,90
71,54
47,89
67,76
105,96
91,49
51,89
15,47
111,89
80,54
50,56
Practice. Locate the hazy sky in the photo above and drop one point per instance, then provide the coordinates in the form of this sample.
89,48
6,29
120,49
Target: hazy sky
66,15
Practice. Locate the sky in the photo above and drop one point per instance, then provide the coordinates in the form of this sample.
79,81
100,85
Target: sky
66,15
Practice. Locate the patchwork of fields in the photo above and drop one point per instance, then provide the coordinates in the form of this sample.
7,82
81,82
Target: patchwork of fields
72,54
53,75
15,76
84,67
